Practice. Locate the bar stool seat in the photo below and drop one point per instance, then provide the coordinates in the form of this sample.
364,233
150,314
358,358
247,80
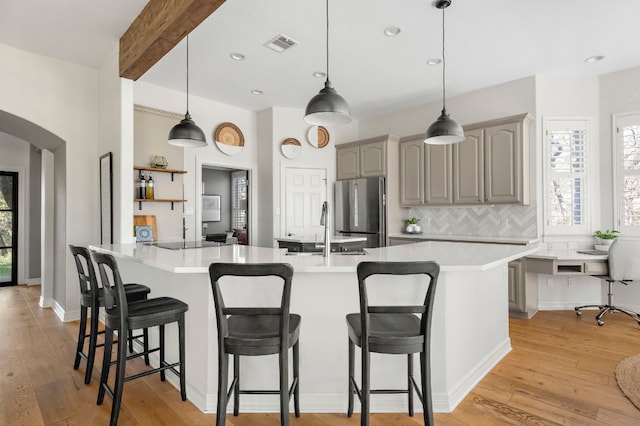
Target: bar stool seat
121,316
392,329
253,331
92,297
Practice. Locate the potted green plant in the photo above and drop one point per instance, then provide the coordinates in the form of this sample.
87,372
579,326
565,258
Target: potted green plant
605,238
412,226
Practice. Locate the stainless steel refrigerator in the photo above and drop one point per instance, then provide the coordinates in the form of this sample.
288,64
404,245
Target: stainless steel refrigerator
361,210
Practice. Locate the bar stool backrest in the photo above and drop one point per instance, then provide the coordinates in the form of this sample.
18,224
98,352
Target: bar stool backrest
281,270
425,309
86,275
115,298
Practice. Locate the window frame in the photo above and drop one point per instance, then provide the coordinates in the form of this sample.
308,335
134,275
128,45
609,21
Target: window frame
618,173
568,123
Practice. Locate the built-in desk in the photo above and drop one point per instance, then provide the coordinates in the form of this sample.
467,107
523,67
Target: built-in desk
558,263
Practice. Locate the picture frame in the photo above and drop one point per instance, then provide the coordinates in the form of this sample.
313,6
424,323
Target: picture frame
210,208
106,198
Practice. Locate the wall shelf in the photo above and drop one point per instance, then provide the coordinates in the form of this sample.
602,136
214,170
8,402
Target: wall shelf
140,169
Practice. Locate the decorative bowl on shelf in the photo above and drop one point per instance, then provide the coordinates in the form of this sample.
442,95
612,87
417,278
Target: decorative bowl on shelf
159,162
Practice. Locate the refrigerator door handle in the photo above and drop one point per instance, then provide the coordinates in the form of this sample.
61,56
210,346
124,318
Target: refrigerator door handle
355,206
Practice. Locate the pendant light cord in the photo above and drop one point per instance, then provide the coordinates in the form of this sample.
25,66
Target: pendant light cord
327,13
187,74
443,66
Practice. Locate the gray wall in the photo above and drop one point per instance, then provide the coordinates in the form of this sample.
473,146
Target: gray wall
218,182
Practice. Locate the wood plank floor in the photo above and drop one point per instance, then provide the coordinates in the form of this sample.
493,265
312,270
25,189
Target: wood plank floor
561,371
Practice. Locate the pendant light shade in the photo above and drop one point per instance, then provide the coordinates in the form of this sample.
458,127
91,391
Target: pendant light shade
186,133
444,130
327,108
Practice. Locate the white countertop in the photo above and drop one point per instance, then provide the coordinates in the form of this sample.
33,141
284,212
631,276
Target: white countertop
469,238
451,256
320,239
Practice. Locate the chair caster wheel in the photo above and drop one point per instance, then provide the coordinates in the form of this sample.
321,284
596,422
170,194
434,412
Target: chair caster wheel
578,312
600,323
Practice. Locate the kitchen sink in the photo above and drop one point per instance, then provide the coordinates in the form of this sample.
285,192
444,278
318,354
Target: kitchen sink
319,253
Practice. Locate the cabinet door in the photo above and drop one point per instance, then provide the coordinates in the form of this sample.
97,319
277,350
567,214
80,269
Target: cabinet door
373,159
411,172
438,175
468,168
517,293
504,163
348,162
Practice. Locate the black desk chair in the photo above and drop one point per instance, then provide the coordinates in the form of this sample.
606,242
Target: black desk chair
92,297
120,316
624,268
253,331
392,330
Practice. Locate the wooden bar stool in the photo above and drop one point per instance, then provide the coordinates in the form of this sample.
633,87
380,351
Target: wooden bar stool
122,315
392,330
92,297
253,331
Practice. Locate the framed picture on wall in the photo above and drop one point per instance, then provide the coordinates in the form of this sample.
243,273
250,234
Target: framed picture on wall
211,208
106,199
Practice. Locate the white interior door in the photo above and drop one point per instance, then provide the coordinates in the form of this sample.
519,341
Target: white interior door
306,190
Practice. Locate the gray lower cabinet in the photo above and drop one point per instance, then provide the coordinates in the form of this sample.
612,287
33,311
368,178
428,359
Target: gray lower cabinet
491,166
523,298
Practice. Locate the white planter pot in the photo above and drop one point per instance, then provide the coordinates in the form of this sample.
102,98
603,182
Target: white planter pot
413,229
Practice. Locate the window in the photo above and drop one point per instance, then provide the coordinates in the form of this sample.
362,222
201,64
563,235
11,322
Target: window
627,165
565,176
239,200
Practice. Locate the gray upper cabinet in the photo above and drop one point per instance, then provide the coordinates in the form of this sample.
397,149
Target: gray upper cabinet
468,173
411,172
348,162
366,158
491,166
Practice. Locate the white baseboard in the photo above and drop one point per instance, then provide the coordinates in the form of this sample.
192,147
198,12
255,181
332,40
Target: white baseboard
33,281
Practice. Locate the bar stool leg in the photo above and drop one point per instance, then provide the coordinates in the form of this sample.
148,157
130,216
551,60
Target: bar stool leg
351,378
236,386
82,332
223,372
162,361
409,384
296,375
183,373
366,386
93,343
283,359
145,345
121,361
427,406
106,364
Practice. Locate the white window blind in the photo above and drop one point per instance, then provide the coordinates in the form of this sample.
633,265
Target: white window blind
627,185
239,200
566,176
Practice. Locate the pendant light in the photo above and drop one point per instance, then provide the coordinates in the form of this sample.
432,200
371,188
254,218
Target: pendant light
186,133
327,108
444,130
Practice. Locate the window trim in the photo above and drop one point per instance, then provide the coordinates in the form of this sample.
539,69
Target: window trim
617,186
549,123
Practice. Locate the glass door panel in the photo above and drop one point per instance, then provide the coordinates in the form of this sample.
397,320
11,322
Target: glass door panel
8,227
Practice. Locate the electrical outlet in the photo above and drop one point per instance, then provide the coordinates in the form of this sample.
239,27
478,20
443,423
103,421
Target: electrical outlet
549,282
569,281
572,246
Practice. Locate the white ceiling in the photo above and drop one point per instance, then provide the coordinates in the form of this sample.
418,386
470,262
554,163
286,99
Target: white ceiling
487,42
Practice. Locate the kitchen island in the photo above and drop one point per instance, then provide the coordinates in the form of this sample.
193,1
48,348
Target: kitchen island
470,331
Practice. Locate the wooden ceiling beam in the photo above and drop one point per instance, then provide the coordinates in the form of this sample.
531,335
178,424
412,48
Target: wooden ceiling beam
157,29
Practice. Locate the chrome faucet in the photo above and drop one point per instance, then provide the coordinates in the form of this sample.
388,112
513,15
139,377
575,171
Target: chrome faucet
324,221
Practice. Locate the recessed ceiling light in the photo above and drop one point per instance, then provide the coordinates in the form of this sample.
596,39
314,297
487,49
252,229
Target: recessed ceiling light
237,56
391,31
319,74
434,61
592,59
256,92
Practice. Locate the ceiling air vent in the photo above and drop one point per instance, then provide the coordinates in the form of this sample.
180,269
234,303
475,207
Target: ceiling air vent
280,43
